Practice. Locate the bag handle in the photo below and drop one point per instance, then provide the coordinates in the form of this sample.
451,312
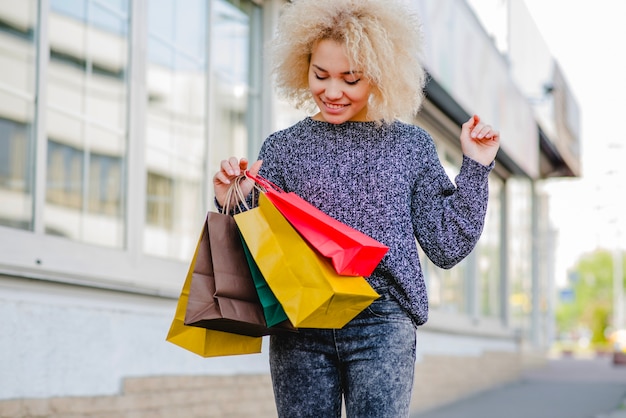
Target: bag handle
264,183
235,197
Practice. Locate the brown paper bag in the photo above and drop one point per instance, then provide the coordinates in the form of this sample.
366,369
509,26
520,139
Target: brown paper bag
222,295
206,342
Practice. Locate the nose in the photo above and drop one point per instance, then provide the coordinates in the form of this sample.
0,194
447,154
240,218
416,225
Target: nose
333,90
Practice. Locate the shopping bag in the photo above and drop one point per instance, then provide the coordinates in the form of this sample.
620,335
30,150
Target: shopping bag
310,291
222,295
272,309
201,341
352,252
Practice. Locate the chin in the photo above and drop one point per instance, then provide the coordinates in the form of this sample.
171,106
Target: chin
335,119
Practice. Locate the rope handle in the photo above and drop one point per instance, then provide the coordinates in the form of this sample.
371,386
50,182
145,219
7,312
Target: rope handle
264,183
235,197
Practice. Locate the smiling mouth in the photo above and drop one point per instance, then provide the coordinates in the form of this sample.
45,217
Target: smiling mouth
335,106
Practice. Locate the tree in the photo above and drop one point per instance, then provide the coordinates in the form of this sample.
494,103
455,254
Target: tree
592,304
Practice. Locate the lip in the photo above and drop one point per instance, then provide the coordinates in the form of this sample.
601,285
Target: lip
334,107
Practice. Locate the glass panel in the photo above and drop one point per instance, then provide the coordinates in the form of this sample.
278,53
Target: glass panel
519,193
176,126
18,61
64,188
446,288
488,253
230,44
178,187
86,121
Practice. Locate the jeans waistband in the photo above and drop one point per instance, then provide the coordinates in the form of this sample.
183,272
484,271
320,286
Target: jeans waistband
382,290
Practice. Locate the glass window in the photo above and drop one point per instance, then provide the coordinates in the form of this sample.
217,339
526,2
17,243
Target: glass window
546,236
519,192
488,253
18,56
87,90
446,288
175,126
187,89
230,80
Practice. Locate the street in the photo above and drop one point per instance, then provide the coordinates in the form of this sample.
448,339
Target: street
564,388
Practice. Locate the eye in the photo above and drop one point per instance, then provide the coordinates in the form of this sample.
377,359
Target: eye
319,77
352,83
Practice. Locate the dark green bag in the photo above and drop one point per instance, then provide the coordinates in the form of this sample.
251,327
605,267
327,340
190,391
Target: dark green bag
272,309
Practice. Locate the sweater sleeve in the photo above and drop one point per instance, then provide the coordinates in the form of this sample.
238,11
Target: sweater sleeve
447,219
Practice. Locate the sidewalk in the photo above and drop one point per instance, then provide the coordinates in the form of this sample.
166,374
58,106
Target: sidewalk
564,388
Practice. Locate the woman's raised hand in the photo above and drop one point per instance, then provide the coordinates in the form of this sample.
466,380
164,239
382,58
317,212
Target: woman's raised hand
479,141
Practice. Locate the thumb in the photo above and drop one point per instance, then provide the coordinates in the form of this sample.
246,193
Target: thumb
473,121
470,124
249,183
254,169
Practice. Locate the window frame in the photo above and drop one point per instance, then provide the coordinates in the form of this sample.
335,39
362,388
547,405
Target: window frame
32,254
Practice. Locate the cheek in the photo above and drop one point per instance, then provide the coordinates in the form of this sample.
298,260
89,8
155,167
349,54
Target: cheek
368,92
314,85
361,94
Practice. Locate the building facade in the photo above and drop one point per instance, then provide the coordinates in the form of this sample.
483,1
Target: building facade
113,116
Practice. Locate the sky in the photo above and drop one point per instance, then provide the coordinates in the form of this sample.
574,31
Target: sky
588,41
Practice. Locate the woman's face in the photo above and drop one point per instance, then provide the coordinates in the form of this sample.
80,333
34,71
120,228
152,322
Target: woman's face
340,94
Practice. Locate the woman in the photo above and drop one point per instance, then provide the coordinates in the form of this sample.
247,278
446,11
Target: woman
357,62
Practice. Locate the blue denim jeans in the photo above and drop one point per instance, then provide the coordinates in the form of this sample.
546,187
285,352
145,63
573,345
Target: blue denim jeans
370,362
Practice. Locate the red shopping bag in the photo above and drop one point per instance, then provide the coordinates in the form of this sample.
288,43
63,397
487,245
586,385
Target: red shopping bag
352,253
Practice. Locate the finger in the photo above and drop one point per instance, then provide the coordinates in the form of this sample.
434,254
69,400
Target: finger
469,127
243,164
491,136
233,166
254,170
220,177
230,166
226,167
471,122
484,131
227,170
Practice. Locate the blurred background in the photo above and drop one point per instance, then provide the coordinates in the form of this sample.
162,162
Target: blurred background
587,211
114,114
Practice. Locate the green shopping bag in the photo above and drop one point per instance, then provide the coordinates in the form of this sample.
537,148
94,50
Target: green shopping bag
272,309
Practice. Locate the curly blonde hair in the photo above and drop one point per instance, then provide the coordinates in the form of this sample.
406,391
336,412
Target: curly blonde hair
382,39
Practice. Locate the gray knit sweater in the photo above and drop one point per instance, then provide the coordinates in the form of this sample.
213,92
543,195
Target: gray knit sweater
387,182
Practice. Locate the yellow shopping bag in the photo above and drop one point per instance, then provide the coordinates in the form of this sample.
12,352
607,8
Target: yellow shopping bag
311,292
205,342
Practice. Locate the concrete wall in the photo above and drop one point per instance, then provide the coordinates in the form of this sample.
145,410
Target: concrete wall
60,340
71,351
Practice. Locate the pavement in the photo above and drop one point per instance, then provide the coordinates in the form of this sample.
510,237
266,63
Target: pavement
563,388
